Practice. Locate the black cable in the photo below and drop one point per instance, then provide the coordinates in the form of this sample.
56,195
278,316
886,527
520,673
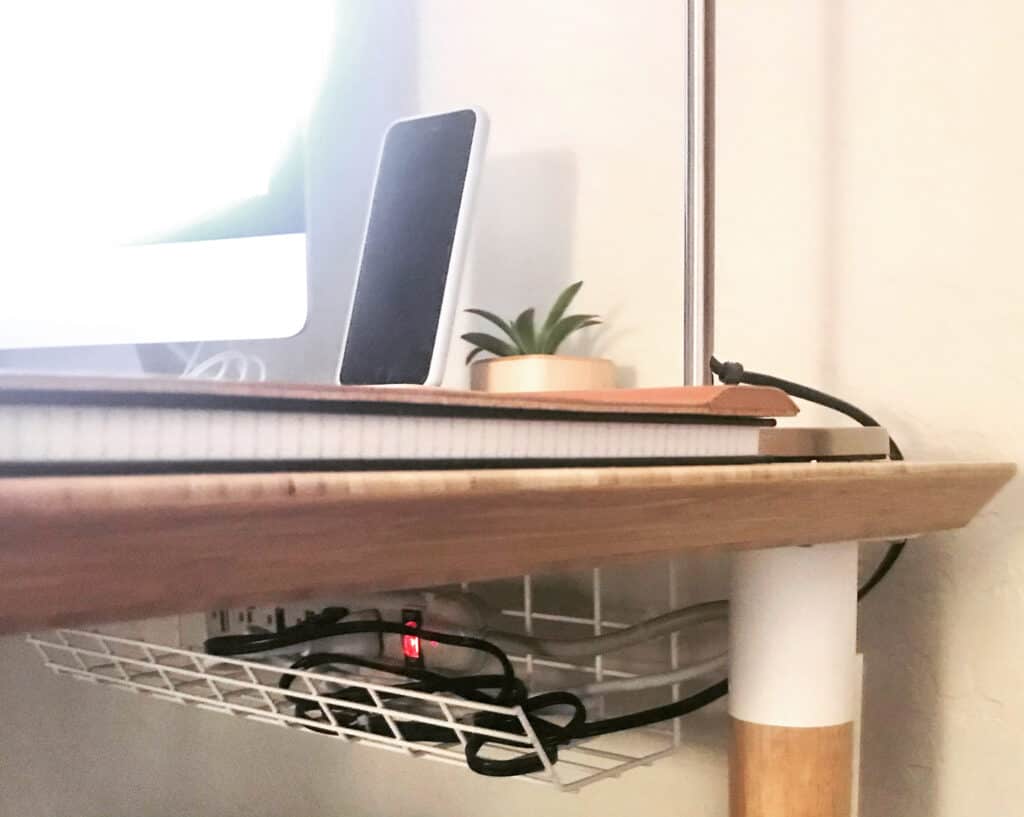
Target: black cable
549,735
882,569
470,687
511,690
308,629
327,625
732,374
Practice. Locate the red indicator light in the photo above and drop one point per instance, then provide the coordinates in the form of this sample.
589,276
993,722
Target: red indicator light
411,643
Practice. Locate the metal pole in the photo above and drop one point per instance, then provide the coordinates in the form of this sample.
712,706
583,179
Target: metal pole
708,288
699,195
689,197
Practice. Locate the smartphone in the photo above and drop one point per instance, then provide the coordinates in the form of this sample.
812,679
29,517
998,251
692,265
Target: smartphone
407,285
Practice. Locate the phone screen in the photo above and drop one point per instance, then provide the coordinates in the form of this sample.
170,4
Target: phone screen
407,250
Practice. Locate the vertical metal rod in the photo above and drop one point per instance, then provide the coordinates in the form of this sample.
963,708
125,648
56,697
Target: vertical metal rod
689,197
699,194
708,141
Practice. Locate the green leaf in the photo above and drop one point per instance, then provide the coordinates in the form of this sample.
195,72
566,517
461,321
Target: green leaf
487,343
498,321
565,327
560,305
527,336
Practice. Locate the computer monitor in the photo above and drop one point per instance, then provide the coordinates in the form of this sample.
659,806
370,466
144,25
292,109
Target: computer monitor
153,170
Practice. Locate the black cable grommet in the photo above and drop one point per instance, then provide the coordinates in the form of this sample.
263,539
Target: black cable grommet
730,373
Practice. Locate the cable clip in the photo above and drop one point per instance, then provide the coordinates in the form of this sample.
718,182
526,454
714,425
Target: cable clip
730,372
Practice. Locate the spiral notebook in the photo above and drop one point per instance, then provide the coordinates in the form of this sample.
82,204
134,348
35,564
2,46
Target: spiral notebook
121,425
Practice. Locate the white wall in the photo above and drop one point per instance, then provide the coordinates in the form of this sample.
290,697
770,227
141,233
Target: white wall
870,173
868,242
585,165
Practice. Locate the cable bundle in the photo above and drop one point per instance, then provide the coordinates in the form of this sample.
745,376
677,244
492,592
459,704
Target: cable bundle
505,689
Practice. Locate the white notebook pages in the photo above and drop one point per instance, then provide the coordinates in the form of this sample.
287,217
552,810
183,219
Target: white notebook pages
124,428
96,434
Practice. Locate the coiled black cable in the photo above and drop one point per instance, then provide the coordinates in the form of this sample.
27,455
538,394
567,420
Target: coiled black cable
510,690
470,687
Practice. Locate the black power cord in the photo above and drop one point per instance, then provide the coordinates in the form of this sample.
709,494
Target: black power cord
329,623
510,690
733,374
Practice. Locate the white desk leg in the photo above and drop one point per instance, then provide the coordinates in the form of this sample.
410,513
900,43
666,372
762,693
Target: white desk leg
793,681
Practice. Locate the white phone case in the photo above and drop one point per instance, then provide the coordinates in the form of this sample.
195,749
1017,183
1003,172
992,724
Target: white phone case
460,242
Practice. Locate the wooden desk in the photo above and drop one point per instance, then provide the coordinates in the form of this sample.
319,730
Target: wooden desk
80,550
83,550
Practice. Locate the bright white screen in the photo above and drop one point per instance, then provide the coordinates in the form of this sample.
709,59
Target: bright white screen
129,122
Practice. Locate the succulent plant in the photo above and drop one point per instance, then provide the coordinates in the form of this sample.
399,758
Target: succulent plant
523,337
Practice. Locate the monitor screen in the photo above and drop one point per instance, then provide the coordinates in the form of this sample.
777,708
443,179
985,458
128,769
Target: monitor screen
153,170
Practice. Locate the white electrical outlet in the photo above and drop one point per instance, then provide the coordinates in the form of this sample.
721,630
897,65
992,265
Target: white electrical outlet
186,632
242,620
239,620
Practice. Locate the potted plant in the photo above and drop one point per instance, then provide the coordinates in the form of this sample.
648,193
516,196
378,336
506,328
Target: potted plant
526,359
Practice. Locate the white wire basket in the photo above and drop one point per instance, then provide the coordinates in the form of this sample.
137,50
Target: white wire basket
252,689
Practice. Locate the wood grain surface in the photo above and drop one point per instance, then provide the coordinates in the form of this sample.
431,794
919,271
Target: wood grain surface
724,401
82,550
781,771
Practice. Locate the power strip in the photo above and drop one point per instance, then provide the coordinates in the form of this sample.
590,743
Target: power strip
456,613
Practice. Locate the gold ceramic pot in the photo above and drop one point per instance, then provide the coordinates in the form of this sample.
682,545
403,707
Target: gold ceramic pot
522,373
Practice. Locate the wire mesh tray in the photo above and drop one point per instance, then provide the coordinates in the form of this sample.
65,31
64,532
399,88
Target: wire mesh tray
252,690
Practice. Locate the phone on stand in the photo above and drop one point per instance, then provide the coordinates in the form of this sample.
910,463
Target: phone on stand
407,287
